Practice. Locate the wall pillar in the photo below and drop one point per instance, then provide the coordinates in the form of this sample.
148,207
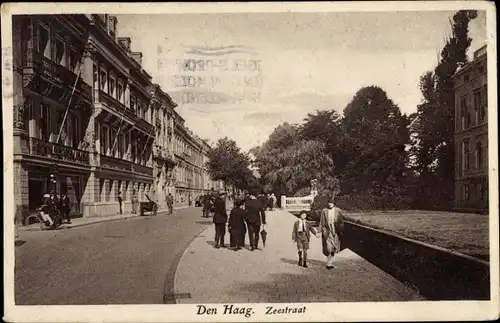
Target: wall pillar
21,193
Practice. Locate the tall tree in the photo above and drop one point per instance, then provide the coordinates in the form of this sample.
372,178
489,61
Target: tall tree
435,131
376,133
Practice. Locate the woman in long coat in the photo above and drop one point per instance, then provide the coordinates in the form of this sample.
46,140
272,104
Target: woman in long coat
331,227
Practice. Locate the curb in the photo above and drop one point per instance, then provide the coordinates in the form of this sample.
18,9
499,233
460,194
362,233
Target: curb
88,223
170,278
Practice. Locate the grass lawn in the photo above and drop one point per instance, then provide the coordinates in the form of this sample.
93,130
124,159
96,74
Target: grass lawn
461,232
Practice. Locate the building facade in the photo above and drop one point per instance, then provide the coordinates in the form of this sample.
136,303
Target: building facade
47,55
87,114
191,173
471,134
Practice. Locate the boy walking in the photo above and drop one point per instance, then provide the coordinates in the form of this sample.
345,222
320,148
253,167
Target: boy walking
301,234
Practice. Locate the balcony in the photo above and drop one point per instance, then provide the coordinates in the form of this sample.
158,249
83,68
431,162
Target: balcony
143,169
58,73
115,105
38,147
148,127
123,165
163,153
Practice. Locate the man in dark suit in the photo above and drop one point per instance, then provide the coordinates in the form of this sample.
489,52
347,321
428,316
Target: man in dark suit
54,207
256,216
220,219
262,198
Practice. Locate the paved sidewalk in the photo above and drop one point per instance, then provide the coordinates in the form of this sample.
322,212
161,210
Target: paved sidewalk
209,275
81,221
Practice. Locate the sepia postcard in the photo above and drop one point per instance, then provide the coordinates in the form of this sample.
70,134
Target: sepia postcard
250,162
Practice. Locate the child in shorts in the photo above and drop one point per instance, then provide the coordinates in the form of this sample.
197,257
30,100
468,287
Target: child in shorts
301,234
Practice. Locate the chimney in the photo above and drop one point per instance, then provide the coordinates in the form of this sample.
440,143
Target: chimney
125,43
112,21
137,56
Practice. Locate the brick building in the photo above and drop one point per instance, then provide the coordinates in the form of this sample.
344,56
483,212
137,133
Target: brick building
471,134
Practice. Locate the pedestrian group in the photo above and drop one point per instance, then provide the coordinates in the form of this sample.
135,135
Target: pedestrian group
248,215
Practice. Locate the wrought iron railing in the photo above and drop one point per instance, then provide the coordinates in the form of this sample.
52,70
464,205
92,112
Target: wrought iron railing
145,125
124,165
143,169
116,105
115,163
38,147
57,72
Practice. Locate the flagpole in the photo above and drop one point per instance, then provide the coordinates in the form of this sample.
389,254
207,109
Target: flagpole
70,99
119,129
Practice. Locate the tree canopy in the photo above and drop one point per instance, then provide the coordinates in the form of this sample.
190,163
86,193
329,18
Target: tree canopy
227,163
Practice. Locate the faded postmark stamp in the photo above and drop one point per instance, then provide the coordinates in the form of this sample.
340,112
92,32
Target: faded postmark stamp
212,75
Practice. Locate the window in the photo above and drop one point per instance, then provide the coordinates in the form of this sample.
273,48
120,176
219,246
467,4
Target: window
121,146
133,104
104,140
112,87
104,80
480,69
76,131
484,102
72,62
466,157
112,142
59,51
96,77
45,122
463,111
477,105
479,155
44,40
466,192
119,93
483,191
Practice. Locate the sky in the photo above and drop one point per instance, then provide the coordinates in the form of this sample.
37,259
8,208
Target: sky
263,69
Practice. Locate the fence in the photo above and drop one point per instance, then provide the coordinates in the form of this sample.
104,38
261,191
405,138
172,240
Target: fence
296,204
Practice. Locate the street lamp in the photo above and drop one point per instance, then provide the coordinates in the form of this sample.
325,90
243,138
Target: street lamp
53,178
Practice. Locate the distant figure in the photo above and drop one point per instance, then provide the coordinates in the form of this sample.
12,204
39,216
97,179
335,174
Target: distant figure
263,200
273,201
53,204
64,207
220,219
207,205
256,216
135,201
301,234
237,227
120,201
331,227
170,203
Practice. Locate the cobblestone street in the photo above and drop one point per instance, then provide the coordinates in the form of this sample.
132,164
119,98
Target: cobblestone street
209,275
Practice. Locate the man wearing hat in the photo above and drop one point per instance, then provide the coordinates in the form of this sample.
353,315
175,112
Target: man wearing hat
219,220
256,216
